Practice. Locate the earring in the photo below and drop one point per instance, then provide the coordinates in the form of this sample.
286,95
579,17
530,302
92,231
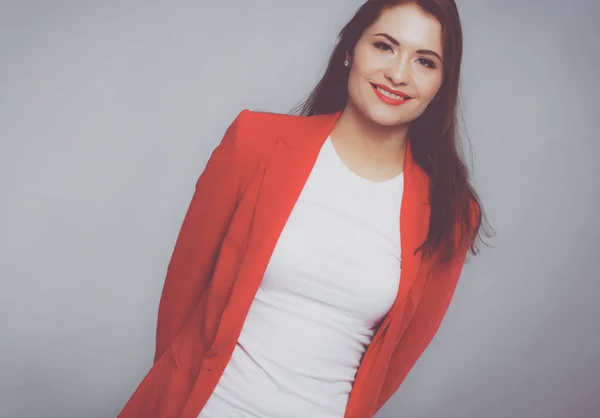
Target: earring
346,63
436,99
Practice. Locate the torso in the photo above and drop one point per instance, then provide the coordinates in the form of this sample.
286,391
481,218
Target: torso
333,276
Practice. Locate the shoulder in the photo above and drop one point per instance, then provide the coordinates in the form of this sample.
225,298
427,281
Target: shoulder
256,132
259,122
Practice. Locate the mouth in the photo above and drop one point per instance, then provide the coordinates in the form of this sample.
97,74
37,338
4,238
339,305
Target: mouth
396,95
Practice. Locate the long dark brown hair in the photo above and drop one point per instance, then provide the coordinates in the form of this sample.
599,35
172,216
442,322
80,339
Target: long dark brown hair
433,137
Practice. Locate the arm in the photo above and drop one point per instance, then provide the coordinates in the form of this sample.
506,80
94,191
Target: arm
428,316
425,323
199,239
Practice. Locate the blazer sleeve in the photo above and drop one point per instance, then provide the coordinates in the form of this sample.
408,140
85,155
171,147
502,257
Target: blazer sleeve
197,246
427,319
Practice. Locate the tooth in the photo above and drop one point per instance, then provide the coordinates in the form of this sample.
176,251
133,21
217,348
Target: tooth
390,95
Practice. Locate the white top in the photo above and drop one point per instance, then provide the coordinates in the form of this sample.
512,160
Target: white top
333,275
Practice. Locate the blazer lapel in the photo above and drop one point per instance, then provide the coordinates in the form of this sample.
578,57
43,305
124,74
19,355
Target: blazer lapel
414,226
285,174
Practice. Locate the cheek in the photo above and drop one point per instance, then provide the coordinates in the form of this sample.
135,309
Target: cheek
366,64
428,85
356,83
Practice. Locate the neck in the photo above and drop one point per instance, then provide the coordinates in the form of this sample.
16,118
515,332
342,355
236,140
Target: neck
376,145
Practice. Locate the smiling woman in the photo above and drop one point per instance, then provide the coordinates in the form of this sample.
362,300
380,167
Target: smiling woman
321,251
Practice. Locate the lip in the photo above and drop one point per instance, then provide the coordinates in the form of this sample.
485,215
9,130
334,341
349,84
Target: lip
390,90
389,100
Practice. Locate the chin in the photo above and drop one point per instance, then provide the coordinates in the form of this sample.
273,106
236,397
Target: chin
385,118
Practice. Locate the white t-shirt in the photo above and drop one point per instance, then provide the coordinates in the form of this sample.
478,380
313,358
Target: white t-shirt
333,275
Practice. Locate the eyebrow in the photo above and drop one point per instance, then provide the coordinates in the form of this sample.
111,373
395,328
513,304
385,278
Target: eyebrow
420,51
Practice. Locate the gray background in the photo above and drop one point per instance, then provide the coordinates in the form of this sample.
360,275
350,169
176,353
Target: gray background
109,111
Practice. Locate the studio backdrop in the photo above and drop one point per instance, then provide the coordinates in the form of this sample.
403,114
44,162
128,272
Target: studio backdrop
109,111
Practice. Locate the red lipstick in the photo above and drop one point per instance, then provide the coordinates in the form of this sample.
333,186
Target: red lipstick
388,100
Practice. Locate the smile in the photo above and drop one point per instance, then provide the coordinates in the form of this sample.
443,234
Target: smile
389,98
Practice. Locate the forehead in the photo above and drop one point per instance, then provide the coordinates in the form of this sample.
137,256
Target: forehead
410,26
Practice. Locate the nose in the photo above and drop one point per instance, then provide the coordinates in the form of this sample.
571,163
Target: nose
399,72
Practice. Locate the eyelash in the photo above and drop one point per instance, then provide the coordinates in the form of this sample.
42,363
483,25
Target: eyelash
381,45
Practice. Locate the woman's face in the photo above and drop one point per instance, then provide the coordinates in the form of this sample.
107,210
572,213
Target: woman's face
401,52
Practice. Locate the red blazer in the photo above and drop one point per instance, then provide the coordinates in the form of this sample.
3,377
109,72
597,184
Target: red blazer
241,203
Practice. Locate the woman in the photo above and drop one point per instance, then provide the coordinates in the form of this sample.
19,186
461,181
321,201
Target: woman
320,252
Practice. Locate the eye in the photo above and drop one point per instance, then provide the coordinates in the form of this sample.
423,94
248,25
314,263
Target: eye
383,46
427,62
